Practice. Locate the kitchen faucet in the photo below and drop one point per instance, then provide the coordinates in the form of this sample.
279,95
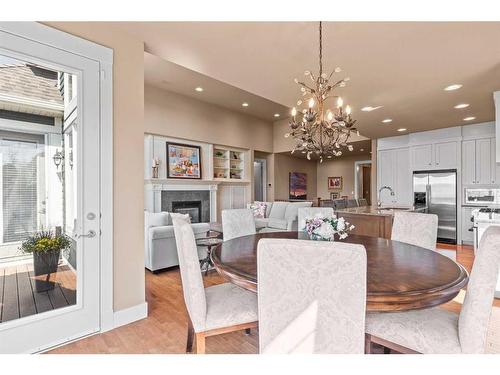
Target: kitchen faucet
379,203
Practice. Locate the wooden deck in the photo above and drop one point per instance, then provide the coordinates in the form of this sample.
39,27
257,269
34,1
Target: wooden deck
18,297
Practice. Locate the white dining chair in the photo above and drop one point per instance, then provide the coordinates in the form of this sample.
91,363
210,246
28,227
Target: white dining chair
237,223
439,331
311,296
415,228
214,310
311,212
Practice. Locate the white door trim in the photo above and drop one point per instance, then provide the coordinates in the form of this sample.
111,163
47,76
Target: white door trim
104,56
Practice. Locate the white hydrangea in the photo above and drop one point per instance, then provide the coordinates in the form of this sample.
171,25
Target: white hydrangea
341,224
325,231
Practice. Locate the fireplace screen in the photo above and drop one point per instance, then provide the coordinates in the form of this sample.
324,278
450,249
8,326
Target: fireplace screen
191,208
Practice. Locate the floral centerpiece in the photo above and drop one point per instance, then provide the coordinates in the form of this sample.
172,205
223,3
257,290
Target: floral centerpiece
325,228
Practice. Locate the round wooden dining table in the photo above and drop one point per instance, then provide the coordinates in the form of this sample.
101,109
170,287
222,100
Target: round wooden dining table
400,276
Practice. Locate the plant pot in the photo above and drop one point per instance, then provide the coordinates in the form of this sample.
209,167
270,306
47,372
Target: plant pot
45,267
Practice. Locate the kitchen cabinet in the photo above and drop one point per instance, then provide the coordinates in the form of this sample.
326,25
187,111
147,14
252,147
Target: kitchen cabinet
442,155
446,155
393,168
421,157
467,236
478,162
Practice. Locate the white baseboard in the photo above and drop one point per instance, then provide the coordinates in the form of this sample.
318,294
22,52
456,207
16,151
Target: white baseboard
132,314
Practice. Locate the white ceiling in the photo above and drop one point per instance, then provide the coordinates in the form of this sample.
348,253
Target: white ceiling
402,66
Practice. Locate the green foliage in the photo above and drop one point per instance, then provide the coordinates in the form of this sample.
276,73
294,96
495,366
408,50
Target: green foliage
45,241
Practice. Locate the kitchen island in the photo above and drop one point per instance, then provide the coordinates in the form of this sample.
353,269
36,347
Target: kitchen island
371,221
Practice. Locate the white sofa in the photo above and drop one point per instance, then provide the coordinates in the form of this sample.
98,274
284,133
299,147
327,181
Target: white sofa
160,250
280,216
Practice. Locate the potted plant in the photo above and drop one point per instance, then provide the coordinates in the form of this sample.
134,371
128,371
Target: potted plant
46,248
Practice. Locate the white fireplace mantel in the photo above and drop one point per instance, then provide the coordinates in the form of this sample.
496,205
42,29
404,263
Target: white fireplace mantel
154,187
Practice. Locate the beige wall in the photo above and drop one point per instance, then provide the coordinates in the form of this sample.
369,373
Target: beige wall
128,143
170,114
283,165
343,167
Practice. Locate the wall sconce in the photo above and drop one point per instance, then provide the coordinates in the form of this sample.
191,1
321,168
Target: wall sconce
58,158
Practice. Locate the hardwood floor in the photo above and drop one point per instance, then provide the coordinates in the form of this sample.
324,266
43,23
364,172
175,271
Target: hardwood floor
18,297
165,329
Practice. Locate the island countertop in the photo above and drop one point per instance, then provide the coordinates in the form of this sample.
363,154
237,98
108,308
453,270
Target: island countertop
373,210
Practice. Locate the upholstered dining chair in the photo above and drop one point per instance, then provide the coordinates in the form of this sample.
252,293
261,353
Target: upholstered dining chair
214,310
440,331
362,202
311,296
339,204
351,203
310,212
415,228
237,223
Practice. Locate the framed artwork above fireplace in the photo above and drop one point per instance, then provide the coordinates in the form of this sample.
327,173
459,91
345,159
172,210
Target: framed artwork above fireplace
183,161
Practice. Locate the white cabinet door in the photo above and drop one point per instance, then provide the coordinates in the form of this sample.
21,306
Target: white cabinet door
403,177
467,236
495,167
483,161
469,162
446,155
385,167
421,157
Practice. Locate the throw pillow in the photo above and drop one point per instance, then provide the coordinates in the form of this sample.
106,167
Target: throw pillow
157,219
185,217
258,209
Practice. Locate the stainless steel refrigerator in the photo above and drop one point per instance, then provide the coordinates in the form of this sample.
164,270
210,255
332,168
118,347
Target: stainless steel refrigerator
435,192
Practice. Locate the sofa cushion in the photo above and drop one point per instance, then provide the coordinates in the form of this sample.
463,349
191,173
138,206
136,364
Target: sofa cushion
292,209
157,219
261,223
277,224
156,233
258,209
278,210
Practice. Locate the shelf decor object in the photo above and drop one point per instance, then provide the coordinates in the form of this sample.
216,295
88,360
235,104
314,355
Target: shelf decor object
321,132
183,161
228,164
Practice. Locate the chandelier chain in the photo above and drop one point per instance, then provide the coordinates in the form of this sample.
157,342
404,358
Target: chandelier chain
320,48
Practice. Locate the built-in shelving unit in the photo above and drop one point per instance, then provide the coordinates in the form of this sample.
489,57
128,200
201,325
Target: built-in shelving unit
228,164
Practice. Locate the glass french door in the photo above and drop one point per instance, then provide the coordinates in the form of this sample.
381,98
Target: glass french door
49,195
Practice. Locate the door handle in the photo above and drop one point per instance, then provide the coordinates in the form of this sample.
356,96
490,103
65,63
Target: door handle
90,234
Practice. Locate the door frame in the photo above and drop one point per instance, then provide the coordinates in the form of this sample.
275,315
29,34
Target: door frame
356,182
264,178
104,57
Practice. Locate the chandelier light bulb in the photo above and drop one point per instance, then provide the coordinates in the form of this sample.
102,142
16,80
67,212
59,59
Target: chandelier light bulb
348,110
294,111
340,102
311,103
329,116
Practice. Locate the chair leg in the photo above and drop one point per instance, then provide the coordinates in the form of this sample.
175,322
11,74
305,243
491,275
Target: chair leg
368,344
200,343
190,337
248,331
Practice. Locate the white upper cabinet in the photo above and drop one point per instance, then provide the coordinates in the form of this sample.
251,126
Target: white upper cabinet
421,157
442,155
483,161
469,162
478,162
446,155
393,168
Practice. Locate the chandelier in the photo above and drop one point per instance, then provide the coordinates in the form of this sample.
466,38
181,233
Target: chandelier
321,131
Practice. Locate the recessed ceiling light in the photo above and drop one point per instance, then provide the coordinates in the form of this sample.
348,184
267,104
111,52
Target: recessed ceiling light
276,115
462,105
361,149
401,129
470,118
244,104
387,120
199,89
370,108
455,86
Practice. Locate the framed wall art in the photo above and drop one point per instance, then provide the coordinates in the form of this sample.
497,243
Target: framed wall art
297,185
183,161
334,182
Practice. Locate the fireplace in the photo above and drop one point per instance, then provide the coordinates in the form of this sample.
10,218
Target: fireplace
195,203
191,208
